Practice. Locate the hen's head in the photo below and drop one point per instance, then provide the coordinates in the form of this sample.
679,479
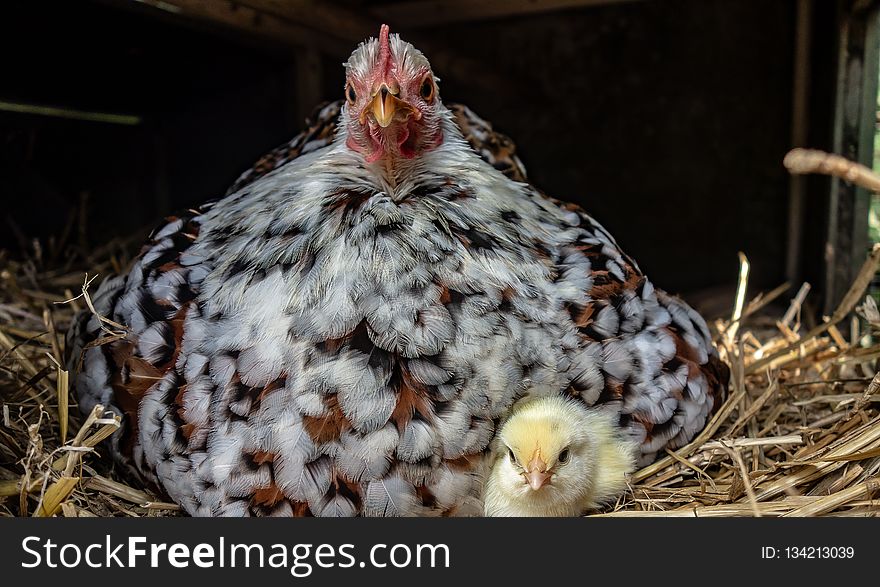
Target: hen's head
392,108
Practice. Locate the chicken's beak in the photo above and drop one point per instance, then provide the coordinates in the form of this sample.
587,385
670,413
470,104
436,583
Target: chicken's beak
536,474
385,105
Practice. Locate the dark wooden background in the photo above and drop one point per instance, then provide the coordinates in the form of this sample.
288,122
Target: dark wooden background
666,119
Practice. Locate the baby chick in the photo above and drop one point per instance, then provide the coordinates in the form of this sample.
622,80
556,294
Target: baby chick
555,456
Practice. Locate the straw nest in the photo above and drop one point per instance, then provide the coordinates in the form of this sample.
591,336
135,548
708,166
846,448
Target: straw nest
51,458
799,434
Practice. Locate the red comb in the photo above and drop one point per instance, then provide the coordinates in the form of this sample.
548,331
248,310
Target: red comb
384,48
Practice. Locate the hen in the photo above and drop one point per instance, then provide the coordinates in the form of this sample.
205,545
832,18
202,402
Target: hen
342,334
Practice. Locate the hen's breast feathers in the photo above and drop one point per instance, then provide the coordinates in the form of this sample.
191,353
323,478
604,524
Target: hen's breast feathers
355,357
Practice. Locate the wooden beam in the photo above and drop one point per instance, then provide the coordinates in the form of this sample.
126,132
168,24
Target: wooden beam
320,16
355,27
854,123
424,13
70,113
308,82
800,117
330,29
240,17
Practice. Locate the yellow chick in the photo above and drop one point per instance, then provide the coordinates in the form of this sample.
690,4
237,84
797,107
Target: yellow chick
555,456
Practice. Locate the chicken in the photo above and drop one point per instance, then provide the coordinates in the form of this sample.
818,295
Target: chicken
555,456
342,334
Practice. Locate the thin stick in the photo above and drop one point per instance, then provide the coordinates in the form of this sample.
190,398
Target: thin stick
88,299
796,304
835,500
747,483
761,300
692,466
49,322
839,399
873,389
804,161
740,297
754,408
746,442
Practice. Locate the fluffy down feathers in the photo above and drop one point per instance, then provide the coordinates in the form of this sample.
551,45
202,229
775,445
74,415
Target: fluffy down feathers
555,456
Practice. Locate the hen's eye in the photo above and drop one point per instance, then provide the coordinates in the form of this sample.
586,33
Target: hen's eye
563,457
350,94
511,455
427,89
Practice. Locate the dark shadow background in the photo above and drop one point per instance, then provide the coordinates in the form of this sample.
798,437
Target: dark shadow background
666,119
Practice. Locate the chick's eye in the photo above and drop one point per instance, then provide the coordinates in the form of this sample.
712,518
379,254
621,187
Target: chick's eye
427,89
511,455
350,94
563,456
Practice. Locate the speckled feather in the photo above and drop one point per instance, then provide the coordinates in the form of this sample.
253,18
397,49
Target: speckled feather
320,342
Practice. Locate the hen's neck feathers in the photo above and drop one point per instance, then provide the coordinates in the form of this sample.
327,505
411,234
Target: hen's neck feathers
395,176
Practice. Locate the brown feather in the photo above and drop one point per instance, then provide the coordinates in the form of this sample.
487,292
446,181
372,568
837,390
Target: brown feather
412,398
327,428
268,496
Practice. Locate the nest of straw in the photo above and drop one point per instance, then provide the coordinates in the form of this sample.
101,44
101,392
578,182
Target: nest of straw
52,461
799,434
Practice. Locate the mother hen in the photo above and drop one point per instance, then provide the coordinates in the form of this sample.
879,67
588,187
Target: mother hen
342,334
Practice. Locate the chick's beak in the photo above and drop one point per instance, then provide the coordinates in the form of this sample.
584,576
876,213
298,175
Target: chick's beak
536,474
385,105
